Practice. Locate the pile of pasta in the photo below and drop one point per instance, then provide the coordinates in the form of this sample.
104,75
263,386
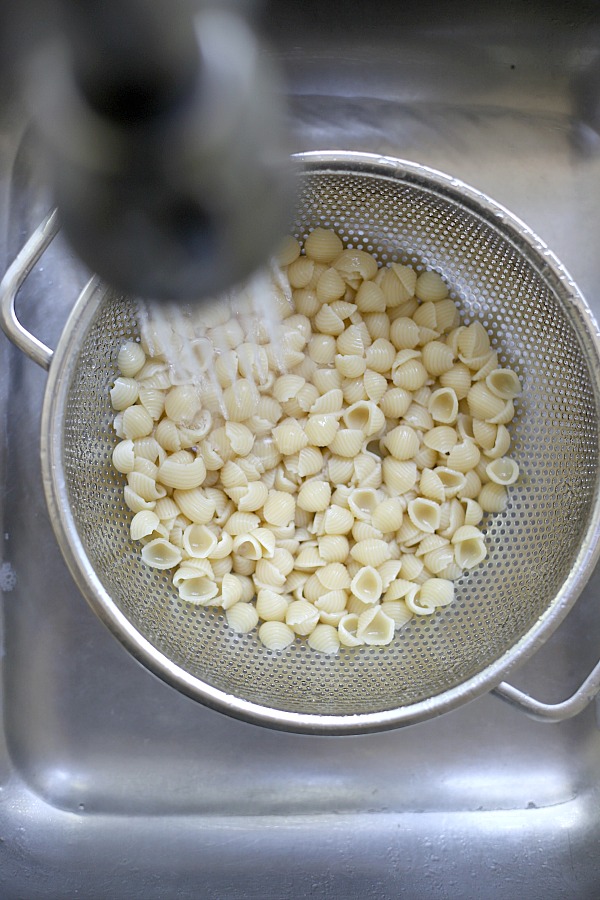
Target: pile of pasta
328,484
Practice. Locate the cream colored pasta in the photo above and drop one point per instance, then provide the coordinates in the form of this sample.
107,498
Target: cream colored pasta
324,639
124,393
375,627
323,245
326,479
130,359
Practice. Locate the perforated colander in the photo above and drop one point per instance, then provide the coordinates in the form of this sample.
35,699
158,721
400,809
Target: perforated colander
541,549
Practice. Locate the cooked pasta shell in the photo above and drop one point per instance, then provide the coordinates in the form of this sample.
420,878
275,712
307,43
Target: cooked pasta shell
199,541
398,612
388,514
442,438
431,486
503,470
370,552
330,286
136,422
447,314
471,487
288,251
301,616
337,520
430,286
412,567
380,355
370,298
242,617
320,429
271,606
377,325
300,272
404,333
402,442
410,375
350,366
437,358
195,505
504,383
506,414
130,359
324,639
123,458
375,628
334,576
458,378
483,404
353,390
323,245
493,497
182,475
469,546
144,523
367,585
145,486
314,496
424,514
332,601
124,393
398,475
160,554
333,547
241,400
463,456
425,317
347,442
347,627
363,502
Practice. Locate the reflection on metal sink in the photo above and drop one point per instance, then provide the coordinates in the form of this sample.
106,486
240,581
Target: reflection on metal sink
113,784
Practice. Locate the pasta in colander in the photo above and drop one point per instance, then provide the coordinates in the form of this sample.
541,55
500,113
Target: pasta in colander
325,480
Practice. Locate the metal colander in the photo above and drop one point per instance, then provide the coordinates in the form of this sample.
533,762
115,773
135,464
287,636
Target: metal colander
541,549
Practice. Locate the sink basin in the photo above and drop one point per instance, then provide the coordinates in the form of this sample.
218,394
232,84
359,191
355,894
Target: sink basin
114,785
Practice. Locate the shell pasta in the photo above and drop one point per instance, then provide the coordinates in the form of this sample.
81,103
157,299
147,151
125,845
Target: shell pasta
322,475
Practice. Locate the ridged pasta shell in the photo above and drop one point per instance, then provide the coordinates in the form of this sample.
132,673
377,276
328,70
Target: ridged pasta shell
337,520
402,442
463,456
334,576
437,358
370,552
493,497
504,383
503,470
430,286
431,486
367,585
375,628
380,355
442,438
458,378
347,442
347,631
271,606
469,546
302,617
323,245
388,514
130,359
160,554
242,617
320,429
398,475
424,514
324,639
350,366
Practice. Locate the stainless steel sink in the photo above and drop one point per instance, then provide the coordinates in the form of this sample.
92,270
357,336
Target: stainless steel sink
113,785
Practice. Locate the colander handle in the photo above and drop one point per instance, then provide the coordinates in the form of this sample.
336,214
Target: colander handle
552,712
12,281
